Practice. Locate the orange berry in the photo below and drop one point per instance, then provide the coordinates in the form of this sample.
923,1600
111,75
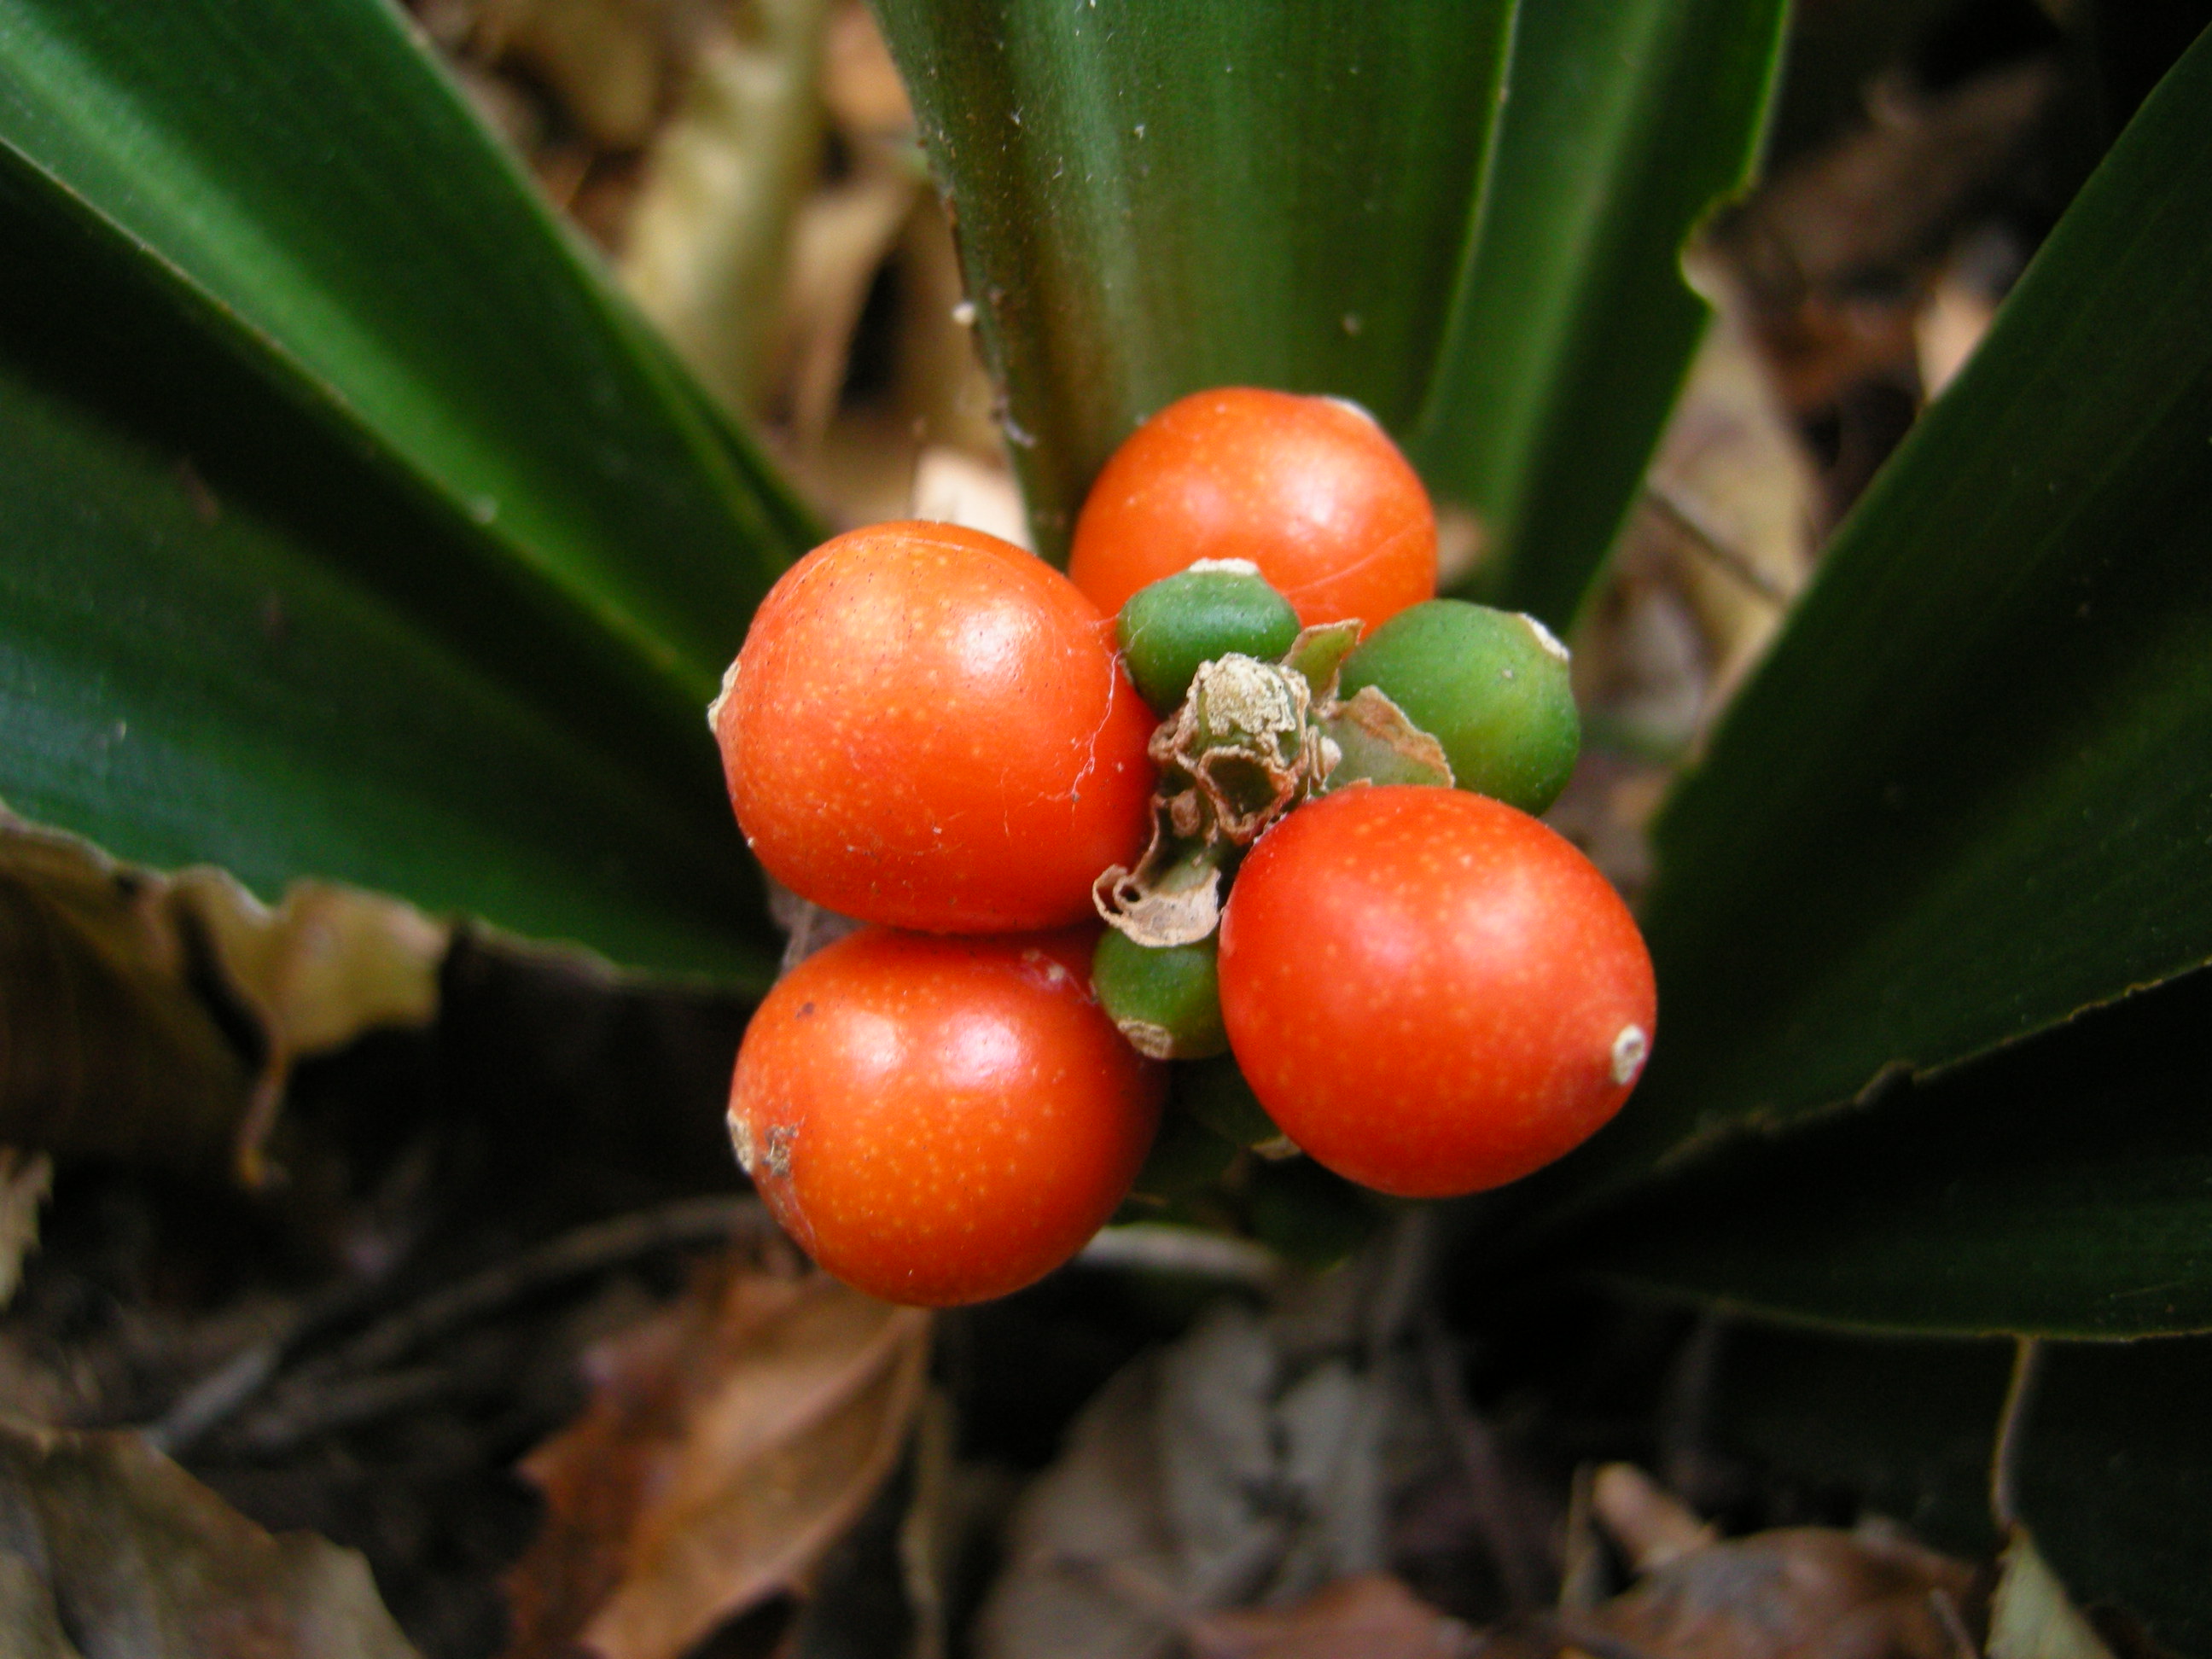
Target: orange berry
1310,490
929,727
1430,991
938,1121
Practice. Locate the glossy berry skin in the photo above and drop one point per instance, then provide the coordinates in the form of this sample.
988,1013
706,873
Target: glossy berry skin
1430,991
938,1121
929,727
1310,490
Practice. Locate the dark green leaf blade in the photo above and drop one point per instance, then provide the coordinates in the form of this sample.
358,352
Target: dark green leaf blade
306,180
2061,1187
1970,793
1155,200
1624,124
226,636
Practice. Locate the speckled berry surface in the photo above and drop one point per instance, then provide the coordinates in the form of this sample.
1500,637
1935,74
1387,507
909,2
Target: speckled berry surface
929,727
1310,490
939,1120
1430,991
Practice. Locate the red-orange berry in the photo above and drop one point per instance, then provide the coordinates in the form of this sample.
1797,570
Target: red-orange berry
929,727
1310,490
1429,990
941,1120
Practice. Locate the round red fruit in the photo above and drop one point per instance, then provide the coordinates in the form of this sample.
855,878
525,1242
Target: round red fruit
1429,990
1310,490
940,1121
929,727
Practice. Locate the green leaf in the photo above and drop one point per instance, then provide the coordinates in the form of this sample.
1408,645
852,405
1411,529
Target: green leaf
2060,1187
305,182
1970,793
226,636
1155,200
1626,121
2115,1475
353,526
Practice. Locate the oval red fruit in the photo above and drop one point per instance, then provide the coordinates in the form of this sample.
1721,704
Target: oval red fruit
929,727
938,1121
1429,990
1310,490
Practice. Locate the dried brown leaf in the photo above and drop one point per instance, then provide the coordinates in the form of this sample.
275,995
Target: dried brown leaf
731,1440
859,82
1873,201
136,1556
840,240
1961,305
1834,248
1174,895
1651,1525
606,59
326,964
107,1049
124,993
2031,1615
941,387
1735,490
26,1178
30,1625
1206,1475
1090,1554
1795,1593
705,250
1370,1616
953,487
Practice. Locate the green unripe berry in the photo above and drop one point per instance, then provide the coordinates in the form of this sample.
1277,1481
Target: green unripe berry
1166,999
1491,687
1200,615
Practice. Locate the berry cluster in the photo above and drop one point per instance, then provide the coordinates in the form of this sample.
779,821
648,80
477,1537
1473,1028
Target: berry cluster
1233,730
